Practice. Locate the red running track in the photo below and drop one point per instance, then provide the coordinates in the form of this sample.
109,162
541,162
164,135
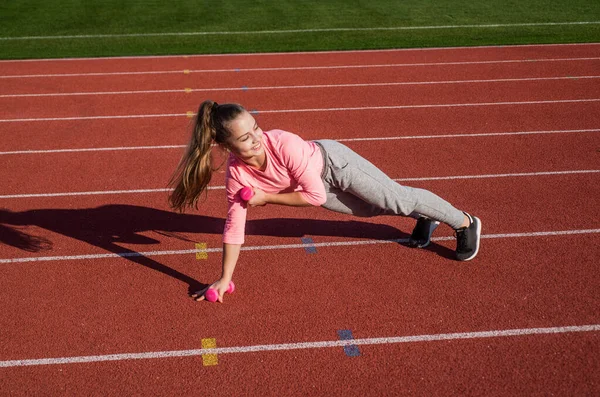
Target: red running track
310,98
529,276
488,155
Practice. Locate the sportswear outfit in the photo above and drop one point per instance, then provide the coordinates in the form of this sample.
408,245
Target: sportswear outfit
328,174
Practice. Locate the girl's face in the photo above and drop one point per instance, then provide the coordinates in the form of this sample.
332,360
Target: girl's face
246,140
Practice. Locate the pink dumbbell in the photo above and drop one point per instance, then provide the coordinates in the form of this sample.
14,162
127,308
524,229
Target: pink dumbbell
246,193
212,295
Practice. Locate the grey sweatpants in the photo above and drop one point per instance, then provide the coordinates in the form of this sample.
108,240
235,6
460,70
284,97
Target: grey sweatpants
355,186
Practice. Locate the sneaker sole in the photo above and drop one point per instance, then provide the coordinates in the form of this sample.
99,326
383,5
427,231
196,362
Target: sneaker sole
478,221
432,227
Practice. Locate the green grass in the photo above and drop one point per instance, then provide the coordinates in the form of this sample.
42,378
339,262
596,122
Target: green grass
84,17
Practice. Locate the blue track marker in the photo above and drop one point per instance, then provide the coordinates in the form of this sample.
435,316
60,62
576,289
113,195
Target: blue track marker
350,350
244,88
236,69
253,111
309,246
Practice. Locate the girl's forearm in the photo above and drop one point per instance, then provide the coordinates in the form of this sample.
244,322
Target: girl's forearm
231,253
294,199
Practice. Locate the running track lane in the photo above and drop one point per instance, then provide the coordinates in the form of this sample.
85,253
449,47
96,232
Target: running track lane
152,169
146,224
422,296
523,365
298,59
421,292
314,125
310,98
414,74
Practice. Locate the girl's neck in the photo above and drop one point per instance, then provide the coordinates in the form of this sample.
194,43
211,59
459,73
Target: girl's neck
259,163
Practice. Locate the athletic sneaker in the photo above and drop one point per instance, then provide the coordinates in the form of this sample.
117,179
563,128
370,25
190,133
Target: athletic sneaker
467,239
421,234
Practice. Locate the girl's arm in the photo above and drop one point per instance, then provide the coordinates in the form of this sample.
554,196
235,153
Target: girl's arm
231,253
294,199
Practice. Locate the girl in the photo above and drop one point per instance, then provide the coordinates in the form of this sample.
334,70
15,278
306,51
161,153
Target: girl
284,169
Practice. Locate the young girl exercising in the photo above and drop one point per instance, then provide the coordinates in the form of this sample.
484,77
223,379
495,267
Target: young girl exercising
284,169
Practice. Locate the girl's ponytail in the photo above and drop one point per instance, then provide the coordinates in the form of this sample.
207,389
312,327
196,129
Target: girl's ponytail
195,170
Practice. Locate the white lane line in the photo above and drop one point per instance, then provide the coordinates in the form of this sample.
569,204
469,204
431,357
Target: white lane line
127,116
288,31
389,138
92,193
286,246
288,53
483,134
102,149
445,105
293,87
391,107
303,345
295,68
522,174
140,92
430,178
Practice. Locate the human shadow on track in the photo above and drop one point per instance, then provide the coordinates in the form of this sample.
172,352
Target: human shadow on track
109,226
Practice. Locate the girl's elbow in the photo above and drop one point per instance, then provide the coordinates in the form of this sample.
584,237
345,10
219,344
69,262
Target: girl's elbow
320,201
312,200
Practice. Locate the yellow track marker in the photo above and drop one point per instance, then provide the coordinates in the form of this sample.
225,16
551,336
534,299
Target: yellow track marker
203,254
187,90
186,71
209,359
190,114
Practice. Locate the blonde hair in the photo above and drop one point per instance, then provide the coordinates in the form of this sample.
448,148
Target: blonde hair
195,170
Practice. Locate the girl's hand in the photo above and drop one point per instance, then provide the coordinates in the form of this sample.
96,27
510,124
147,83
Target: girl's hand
221,286
259,198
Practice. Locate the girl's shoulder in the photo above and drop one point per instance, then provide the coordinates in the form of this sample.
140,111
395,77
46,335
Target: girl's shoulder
279,139
232,164
278,134
235,172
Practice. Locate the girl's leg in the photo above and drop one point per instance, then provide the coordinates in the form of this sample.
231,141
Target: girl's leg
355,186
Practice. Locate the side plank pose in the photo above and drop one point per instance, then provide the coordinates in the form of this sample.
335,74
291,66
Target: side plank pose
282,168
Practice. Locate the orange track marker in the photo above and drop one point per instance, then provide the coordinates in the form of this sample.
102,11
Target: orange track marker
209,359
202,248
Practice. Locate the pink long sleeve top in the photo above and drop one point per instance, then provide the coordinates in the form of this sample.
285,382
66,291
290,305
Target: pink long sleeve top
292,165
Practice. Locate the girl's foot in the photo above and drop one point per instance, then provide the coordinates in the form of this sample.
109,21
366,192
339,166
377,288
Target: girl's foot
467,239
421,234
